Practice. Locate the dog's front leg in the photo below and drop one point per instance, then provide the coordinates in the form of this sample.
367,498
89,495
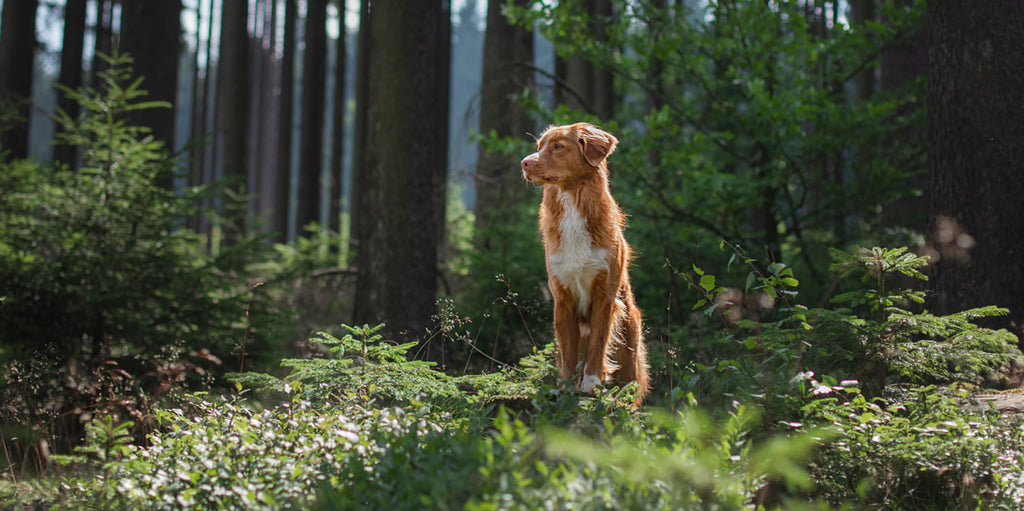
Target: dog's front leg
568,331
602,308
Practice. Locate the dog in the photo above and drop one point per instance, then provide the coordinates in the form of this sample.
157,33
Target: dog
595,314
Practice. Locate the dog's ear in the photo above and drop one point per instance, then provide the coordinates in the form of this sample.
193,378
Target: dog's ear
597,144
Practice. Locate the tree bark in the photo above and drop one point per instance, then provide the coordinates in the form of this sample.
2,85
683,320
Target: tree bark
337,127
863,11
312,139
591,87
282,187
976,163
508,56
151,34
604,82
402,205
362,179
234,102
268,115
17,55
104,43
71,71
903,62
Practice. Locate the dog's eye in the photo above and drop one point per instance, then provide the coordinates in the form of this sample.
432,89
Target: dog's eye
558,146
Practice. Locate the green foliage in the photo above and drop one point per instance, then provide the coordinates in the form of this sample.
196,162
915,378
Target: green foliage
680,464
868,337
504,284
737,120
912,451
695,461
513,440
109,301
365,365
361,362
877,265
224,454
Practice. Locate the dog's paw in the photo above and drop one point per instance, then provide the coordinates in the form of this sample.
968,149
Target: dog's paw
589,382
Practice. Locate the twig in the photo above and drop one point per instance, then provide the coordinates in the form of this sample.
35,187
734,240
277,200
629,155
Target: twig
248,323
7,455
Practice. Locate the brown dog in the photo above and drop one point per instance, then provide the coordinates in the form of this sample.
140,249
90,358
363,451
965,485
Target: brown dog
596,318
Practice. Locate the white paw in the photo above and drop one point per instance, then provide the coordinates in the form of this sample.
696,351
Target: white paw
589,382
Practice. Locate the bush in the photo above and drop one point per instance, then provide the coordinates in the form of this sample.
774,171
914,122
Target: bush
871,338
108,300
513,440
912,451
224,454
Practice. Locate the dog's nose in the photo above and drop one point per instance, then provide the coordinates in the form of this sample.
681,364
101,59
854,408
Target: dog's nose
529,160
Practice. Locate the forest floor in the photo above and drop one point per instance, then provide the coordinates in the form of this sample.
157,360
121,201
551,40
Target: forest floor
1008,402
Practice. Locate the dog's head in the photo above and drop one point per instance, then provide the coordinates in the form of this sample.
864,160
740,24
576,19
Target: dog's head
566,154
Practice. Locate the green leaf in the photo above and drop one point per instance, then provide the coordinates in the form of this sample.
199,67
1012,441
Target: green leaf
751,279
708,282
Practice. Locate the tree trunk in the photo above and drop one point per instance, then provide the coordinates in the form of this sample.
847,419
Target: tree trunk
862,12
604,83
151,34
508,55
362,179
104,43
579,78
202,124
312,139
903,62
337,127
71,71
256,122
975,136
234,102
283,173
17,54
590,87
400,188
268,114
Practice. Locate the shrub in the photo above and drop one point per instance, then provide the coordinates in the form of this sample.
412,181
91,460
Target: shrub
224,454
913,451
108,301
363,363
871,337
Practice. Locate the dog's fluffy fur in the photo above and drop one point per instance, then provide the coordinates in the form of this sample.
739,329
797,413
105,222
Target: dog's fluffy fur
596,319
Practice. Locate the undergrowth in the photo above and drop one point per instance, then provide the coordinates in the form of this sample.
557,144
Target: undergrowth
363,426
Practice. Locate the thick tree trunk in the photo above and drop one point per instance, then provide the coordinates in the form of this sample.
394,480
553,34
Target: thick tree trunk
312,139
71,71
234,102
405,142
17,54
151,34
976,160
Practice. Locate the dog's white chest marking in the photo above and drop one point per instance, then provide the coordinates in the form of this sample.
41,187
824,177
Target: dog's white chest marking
577,261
